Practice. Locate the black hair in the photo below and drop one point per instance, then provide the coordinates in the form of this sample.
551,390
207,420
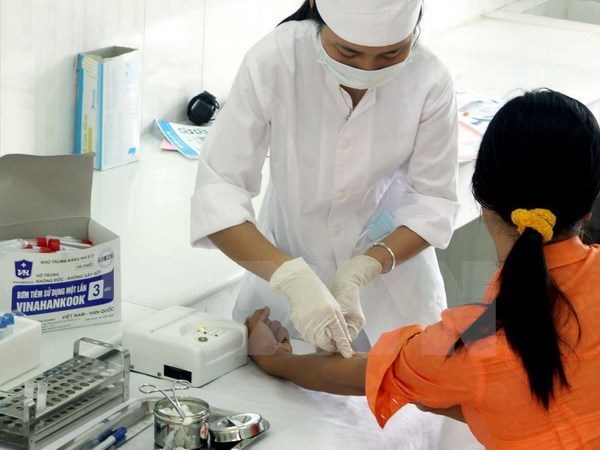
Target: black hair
541,150
308,12
305,12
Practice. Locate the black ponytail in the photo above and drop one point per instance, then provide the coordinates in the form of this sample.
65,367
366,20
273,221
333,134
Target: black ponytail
541,150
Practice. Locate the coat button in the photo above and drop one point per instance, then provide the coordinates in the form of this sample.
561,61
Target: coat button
336,231
340,196
344,145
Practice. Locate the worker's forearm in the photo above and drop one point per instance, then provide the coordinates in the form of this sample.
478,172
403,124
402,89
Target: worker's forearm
405,244
250,249
319,372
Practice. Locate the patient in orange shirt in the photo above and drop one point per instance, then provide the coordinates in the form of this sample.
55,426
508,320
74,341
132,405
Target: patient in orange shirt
523,367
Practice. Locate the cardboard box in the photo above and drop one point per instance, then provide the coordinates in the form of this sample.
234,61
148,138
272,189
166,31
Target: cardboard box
108,106
51,195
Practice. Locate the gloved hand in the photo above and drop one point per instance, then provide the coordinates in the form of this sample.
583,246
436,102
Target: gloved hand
313,310
348,280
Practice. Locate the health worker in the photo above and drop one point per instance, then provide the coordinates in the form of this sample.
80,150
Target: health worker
360,123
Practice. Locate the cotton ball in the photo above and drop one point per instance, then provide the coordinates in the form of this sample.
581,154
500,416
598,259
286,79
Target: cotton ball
169,411
188,420
180,437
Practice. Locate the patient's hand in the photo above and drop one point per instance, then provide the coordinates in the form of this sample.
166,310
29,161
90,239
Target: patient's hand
269,347
266,337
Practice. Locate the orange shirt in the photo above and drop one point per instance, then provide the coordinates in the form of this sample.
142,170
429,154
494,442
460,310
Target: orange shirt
409,365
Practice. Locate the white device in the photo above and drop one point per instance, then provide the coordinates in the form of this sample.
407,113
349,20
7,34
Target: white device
180,343
26,339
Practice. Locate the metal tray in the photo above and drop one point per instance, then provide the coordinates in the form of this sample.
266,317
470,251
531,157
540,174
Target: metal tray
138,417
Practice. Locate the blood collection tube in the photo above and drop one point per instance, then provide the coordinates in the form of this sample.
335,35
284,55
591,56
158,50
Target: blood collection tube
12,243
40,242
29,389
28,249
42,396
68,241
55,246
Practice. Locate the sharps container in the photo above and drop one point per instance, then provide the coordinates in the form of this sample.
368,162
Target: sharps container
171,428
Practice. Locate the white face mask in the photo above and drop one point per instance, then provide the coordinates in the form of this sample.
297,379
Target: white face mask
356,78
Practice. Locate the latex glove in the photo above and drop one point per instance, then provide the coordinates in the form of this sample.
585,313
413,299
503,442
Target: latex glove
348,280
313,310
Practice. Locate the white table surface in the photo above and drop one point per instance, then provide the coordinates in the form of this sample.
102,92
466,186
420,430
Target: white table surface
299,419
499,56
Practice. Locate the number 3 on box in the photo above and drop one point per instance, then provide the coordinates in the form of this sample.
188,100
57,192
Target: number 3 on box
95,290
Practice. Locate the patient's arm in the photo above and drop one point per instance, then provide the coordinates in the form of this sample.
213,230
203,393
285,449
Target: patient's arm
269,347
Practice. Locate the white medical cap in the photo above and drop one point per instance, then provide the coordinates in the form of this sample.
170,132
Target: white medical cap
374,23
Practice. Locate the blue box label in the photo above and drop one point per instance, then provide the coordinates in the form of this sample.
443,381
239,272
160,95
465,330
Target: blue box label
23,269
48,298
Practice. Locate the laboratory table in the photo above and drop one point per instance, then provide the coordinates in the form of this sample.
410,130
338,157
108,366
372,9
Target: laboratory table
300,419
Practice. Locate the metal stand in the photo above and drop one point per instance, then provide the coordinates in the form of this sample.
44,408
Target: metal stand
76,388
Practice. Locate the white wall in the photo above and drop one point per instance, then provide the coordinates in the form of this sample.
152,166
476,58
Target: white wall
187,46
173,57
232,27
443,14
38,43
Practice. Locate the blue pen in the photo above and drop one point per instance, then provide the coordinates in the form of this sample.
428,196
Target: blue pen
103,436
120,442
115,436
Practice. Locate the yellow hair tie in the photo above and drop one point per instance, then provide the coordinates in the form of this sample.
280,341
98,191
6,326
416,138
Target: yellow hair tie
541,220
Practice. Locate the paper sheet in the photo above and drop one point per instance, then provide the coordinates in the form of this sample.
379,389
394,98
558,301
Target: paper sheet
186,139
475,111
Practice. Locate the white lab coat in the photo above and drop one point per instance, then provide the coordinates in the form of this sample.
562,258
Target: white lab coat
329,175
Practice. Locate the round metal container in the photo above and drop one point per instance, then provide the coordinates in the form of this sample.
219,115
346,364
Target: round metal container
192,434
237,427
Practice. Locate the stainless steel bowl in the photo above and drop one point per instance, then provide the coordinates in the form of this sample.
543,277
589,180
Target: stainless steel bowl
172,431
237,427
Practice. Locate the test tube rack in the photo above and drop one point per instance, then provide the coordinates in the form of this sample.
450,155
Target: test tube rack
77,389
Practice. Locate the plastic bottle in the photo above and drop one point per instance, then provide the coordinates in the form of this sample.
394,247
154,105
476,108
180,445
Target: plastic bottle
10,323
2,328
